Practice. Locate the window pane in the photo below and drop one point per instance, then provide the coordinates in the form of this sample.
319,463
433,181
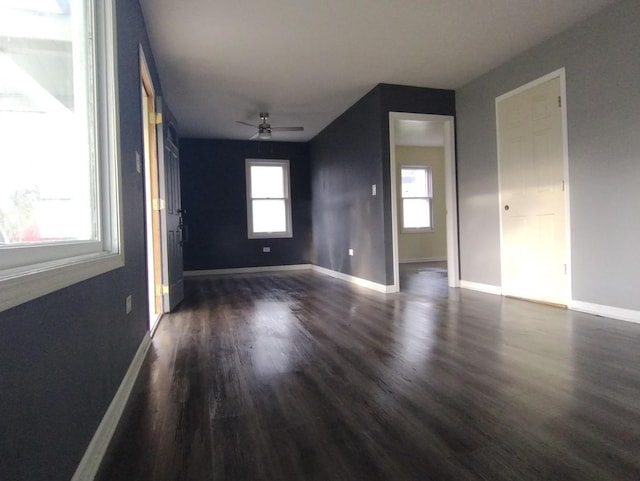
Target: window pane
269,216
414,183
48,184
267,181
416,213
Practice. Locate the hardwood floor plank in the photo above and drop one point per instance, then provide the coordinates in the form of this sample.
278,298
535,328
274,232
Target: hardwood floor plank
301,376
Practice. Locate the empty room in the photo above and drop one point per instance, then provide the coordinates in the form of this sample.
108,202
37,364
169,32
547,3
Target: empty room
341,240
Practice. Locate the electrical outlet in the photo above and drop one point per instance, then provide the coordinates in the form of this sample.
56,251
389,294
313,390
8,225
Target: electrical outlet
266,249
373,189
128,304
350,252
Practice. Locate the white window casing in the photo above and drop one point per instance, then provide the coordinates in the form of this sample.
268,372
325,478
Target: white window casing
49,261
416,194
268,198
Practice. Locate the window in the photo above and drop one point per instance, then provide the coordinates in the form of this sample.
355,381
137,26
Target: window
417,199
59,213
268,203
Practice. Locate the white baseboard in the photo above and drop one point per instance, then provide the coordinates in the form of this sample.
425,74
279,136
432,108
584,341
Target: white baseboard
606,311
247,270
477,286
355,280
422,259
90,462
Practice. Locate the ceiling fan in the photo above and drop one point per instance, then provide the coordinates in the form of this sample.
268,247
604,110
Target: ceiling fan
265,128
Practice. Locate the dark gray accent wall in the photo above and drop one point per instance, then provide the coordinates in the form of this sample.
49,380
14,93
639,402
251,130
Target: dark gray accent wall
214,195
63,356
347,158
603,110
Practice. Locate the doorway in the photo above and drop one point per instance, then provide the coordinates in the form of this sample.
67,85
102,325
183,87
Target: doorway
153,201
533,174
435,132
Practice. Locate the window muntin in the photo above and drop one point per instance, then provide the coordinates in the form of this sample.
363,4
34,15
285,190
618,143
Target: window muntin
59,199
268,203
417,198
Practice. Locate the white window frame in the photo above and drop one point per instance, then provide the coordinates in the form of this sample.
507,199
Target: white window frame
287,198
429,198
29,272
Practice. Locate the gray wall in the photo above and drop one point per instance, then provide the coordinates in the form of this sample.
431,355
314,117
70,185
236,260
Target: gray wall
63,356
603,109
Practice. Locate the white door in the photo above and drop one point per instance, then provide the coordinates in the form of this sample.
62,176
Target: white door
530,152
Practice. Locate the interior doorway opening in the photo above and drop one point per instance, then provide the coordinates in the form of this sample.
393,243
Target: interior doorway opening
424,142
153,201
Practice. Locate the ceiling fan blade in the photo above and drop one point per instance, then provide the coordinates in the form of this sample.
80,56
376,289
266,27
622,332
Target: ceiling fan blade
287,129
246,123
254,136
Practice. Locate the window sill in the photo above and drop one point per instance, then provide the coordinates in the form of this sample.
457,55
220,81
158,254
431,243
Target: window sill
416,231
272,235
42,279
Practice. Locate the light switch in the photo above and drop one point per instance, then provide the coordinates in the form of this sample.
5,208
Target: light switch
373,189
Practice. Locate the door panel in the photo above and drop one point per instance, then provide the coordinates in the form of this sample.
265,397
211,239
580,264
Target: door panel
530,150
174,223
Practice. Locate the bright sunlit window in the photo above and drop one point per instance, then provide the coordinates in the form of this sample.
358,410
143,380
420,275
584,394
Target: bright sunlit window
417,199
58,182
268,202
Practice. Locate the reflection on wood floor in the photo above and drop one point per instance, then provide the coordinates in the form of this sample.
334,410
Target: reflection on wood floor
298,376
424,279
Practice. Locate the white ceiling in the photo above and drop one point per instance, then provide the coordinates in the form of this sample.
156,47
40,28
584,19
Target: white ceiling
306,62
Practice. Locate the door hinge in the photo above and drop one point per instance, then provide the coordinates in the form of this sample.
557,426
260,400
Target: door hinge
559,101
162,289
156,118
565,269
157,204
563,186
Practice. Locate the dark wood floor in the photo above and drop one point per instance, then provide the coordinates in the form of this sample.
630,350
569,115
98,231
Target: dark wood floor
301,377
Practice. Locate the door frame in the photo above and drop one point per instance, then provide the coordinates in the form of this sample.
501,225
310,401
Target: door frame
162,193
560,74
153,205
451,195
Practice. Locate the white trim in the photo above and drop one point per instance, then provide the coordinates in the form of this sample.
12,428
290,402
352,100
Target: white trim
628,315
374,286
423,259
247,270
477,286
453,260
90,462
28,286
560,74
